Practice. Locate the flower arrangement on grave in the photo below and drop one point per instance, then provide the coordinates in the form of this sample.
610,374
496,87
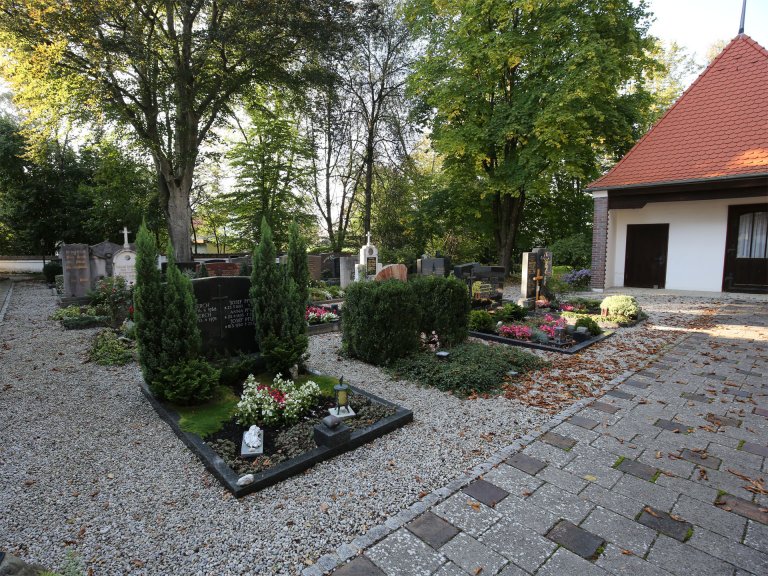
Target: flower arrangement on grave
515,331
430,342
318,315
284,401
551,323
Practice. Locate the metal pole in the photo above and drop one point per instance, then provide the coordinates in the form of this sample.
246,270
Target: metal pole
743,13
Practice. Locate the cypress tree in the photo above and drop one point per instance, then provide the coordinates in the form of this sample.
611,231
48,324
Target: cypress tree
297,262
278,311
203,273
181,336
148,305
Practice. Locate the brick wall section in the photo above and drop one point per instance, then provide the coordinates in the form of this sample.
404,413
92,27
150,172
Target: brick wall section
599,242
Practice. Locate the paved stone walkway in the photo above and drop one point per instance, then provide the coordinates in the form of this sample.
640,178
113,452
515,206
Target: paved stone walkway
662,475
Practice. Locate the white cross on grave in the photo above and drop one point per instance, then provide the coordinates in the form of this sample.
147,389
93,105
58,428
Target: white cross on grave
125,237
369,237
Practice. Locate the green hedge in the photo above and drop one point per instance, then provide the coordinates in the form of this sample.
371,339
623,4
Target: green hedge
381,321
444,307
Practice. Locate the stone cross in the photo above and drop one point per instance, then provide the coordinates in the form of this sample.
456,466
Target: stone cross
125,237
369,237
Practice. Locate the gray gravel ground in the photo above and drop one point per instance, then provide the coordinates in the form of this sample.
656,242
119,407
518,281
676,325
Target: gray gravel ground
86,464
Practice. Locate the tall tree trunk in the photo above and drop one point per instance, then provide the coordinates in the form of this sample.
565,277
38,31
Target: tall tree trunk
174,200
368,183
507,210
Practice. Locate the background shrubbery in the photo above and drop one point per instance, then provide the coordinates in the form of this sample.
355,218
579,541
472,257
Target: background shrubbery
444,307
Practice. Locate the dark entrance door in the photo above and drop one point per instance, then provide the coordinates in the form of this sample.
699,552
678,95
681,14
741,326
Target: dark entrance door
746,249
645,264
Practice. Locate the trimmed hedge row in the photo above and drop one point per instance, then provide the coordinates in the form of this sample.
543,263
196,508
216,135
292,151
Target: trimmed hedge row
383,320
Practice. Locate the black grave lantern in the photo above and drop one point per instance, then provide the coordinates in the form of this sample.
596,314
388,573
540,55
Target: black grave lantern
341,391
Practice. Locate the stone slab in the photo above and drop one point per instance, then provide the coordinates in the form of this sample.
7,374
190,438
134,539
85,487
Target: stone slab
558,440
526,463
619,394
701,458
638,469
664,522
742,507
671,426
583,422
432,529
473,556
485,492
695,397
603,407
757,449
737,392
760,411
360,566
577,540
389,553
637,383
719,420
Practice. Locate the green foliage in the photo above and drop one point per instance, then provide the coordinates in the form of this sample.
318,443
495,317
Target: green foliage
381,321
108,350
481,321
84,321
620,305
112,295
190,381
591,326
235,369
472,368
203,271
71,311
281,401
574,250
511,312
148,305
51,270
208,418
298,268
444,307
278,311
181,338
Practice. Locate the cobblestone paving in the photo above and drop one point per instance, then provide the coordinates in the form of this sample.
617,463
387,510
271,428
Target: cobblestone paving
662,476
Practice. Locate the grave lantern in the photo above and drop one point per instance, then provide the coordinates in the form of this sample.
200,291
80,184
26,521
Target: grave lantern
442,355
342,409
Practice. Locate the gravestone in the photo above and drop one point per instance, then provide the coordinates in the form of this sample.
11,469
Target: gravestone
432,266
536,269
102,259
124,264
314,265
75,261
492,277
346,270
369,259
222,268
224,314
393,271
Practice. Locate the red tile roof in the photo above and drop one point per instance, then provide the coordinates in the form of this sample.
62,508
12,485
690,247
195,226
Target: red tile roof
718,128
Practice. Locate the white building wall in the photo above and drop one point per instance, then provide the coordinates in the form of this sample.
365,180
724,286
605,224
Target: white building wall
696,250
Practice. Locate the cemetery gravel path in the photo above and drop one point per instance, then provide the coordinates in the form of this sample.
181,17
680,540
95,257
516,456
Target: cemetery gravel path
85,464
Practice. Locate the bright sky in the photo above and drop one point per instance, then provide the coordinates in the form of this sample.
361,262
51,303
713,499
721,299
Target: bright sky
697,24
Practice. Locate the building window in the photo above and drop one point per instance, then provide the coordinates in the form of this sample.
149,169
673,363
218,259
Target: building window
753,235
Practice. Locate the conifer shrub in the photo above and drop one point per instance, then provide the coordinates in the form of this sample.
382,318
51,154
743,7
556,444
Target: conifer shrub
481,321
298,269
278,311
203,271
620,305
148,305
191,381
181,338
51,270
444,307
381,321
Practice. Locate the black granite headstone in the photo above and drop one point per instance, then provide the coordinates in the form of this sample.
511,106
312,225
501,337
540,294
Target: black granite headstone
224,314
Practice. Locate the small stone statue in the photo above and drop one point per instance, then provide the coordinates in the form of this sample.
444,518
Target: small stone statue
253,437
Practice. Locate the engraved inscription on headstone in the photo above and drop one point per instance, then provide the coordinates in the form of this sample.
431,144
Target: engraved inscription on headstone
75,259
124,264
224,313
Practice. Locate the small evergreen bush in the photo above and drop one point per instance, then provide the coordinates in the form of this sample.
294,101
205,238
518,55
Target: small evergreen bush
444,307
278,311
481,321
181,338
511,312
298,268
108,350
203,271
620,305
51,270
591,326
187,382
381,321
148,305
472,367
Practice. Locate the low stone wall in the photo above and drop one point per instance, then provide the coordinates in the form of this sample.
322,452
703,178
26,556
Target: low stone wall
22,263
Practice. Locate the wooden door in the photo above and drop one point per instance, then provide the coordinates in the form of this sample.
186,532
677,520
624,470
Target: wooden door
746,249
645,263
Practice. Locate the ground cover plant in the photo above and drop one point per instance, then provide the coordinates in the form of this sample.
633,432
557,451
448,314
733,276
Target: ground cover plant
108,349
471,368
73,317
